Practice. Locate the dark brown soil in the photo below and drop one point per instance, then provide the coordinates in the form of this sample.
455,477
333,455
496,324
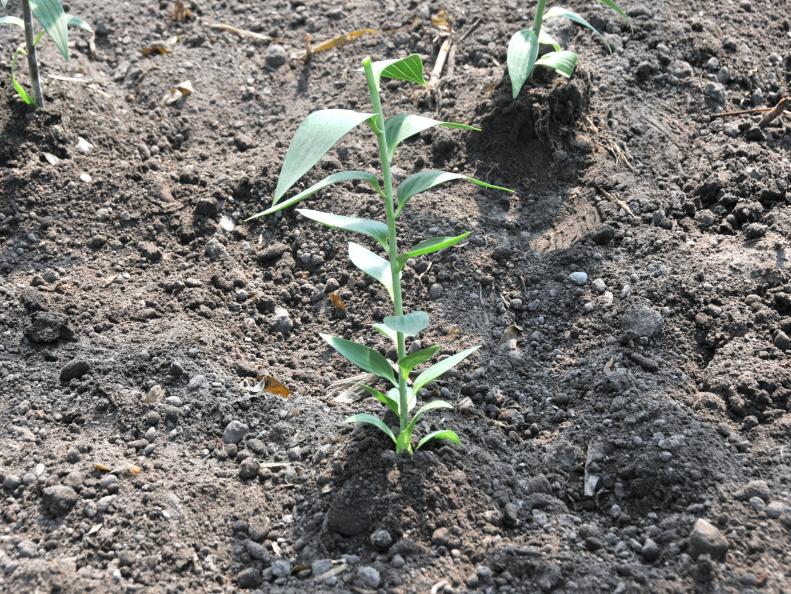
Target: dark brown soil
133,319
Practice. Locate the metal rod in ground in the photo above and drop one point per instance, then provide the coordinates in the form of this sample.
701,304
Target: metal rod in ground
32,57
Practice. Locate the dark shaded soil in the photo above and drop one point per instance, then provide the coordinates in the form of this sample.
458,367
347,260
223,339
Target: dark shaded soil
133,319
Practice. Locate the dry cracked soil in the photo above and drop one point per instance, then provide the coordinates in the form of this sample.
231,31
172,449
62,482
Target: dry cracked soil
625,424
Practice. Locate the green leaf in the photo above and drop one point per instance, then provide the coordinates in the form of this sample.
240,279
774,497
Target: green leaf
20,90
556,12
372,265
335,178
51,16
400,127
433,405
12,20
613,6
314,137
522,56
375,229
75,21
445,434
545,38
409,324
362,356
563,62
382,397
409,69
386,332
371,420
427,179
409,362
429,246
439,369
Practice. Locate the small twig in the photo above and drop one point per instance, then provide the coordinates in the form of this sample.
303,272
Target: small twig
617,201
472,28
243,33
727,114
776,112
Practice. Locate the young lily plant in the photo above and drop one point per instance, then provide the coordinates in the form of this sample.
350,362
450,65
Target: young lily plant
523,49
314,137
56,23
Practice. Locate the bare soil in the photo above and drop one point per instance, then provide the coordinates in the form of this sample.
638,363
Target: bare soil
606,414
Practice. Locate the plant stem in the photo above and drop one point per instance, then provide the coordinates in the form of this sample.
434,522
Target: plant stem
392,239
32,57
539,18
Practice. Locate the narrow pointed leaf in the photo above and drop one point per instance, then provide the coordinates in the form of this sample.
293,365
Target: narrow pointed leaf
439,369
362,356
614,6
383,398
522,56
563,62
12,20
429,246
51,16
409,69
335,178
375,229
23,94
386,332
433,405
372,420
409,362
314,137
374,266
75,21
545,38
400,127
429,178
556,12
445,434
409,324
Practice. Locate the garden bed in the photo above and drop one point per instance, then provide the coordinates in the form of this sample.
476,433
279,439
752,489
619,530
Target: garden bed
632,300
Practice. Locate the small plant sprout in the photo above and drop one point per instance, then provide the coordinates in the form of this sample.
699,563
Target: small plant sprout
314,137
49,13
523,49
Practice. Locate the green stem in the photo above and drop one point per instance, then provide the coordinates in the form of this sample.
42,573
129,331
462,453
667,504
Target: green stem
539,18
392,238
32,57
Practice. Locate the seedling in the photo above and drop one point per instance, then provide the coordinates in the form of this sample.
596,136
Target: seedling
49,13
314,137
523,49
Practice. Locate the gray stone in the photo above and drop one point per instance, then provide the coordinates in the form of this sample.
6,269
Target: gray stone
282,321
642,322
756,488
275,55
650,550
435,292
281,568
48,327
715,92
681,69
248,469
214,250
27,548
59,500
775,509
381,539
706,539
320,566
782,341
74,369
369,576
235,432
249,578
579,278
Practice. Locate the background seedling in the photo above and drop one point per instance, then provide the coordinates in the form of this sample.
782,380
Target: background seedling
49,13
523,49
314,137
